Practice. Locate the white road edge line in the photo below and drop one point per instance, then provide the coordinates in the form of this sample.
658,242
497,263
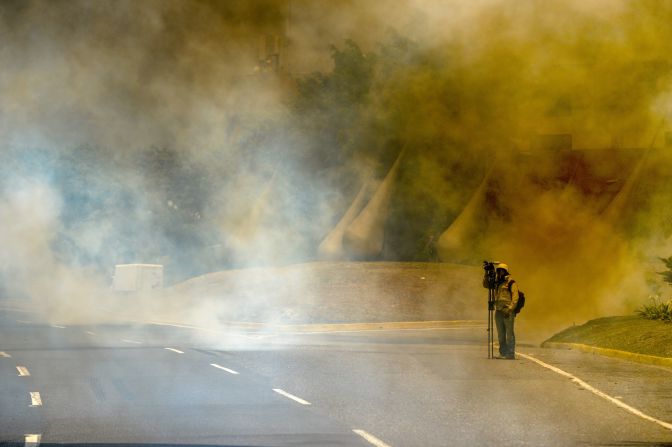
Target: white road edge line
230,371
372,439
23,371
35,399
291,396
33,440
599,393
174,350
5,355
126,340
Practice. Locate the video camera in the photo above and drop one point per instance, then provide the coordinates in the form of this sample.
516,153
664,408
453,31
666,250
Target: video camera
490,273
490,281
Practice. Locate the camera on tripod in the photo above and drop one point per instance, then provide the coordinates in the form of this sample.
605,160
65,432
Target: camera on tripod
490,282
490,279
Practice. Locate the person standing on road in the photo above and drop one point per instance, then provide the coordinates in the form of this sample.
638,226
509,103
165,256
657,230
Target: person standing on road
506,299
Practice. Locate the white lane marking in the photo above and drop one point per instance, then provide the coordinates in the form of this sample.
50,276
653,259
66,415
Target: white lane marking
372,439
291,396
174,350
23,371
5,355
126,340
57,326
33,440
90,333
597,392
230,371
35,399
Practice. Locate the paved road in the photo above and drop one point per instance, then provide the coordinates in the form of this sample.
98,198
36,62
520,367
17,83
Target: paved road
129,384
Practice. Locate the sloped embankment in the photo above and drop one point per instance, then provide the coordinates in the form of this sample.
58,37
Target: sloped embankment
335,292
626,333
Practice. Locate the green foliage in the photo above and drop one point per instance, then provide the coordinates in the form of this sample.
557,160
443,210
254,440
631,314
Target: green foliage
328,107
373,106
347,84
656,310
667,275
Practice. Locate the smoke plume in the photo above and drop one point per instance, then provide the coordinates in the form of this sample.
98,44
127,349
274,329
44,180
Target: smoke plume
210,135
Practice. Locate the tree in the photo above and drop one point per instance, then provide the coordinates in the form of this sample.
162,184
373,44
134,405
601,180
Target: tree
328,107
667,275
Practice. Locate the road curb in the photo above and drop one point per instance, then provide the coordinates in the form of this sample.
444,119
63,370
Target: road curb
338,327
614,353
335,327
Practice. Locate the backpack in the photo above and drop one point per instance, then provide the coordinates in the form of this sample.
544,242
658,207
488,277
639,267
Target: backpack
521,299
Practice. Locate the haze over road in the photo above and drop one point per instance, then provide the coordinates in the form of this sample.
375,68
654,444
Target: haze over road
131,383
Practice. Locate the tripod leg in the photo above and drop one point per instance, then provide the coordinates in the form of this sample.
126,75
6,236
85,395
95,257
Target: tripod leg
489,333
491,323
491,342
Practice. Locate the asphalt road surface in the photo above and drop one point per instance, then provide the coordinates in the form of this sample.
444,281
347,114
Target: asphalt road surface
148,384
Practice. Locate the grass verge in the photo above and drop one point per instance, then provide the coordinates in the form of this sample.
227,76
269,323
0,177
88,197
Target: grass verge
627,333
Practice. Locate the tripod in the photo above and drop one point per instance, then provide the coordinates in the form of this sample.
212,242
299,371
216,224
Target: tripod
491,320
490,282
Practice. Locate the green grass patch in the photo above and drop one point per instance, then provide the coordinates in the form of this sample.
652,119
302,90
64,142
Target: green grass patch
656,310
629,333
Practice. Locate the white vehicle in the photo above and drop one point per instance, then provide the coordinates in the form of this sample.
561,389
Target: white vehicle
137,277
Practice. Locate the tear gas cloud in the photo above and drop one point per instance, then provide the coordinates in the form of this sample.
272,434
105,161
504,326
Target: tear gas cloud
194,135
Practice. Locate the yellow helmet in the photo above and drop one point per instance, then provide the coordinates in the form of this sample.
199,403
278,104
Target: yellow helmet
502,266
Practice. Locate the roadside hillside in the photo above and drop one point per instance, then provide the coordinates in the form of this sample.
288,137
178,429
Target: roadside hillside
625,333
332,292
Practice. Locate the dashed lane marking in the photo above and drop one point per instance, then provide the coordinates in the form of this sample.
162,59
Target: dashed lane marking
174,350
32,440
126,340
35,399
57,326
230,371
597,392
23,371
5,355
90,333
370,438
291,396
